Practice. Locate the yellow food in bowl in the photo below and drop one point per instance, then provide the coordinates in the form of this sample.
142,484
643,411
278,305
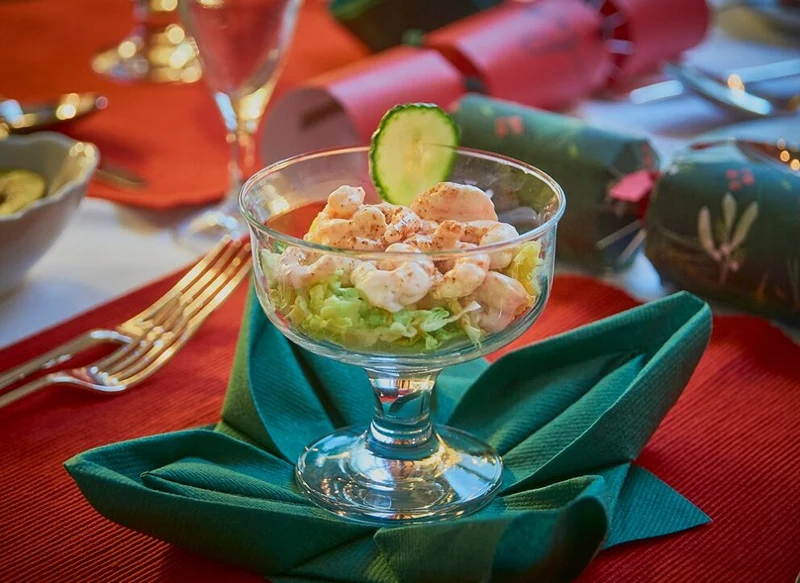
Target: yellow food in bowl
19,189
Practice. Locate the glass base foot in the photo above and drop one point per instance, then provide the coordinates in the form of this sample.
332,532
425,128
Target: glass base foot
160,56
341,474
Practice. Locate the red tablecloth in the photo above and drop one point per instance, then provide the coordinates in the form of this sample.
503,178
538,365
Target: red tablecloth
731,445
172,135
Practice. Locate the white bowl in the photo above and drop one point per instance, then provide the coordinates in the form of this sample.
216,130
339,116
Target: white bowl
67,166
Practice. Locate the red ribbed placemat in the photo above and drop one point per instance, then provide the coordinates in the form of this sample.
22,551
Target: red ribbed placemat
172,135
731,445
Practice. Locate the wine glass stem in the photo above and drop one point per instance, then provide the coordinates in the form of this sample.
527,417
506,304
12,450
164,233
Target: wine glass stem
241,141
401,426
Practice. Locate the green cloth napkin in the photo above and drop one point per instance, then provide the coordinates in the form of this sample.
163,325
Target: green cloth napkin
381,24
586,161
569,416
725,224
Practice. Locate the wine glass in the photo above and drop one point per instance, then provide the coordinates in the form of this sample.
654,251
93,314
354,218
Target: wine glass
242,46
401,468
157,49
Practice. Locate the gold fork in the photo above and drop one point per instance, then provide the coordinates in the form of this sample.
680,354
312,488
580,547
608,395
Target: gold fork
166,326
188,287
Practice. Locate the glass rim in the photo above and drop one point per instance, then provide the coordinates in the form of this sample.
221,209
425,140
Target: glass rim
533,234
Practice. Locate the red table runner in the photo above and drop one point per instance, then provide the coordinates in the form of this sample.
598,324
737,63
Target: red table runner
731,445
172,135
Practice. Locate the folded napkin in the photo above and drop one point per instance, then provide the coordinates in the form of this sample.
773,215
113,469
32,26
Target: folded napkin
569,415
587,162
725,223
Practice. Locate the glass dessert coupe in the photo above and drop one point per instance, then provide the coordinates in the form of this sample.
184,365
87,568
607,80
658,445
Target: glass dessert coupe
401,468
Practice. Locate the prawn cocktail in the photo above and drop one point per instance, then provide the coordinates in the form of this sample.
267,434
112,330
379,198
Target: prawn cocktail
441,256
414,298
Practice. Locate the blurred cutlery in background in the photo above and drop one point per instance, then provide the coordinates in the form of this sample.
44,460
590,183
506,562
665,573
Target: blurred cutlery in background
16,117
119,177
29,117
737,78
779,153
729,94
734,98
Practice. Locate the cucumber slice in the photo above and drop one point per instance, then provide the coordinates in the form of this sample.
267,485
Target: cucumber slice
401,163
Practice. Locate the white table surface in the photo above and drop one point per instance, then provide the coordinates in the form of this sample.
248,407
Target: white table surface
108,250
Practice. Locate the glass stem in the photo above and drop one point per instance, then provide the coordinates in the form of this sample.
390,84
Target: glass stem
401,426
242,144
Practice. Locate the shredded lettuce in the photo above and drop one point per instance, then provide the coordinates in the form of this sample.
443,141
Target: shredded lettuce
338,313
469,324
269,265
330,311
